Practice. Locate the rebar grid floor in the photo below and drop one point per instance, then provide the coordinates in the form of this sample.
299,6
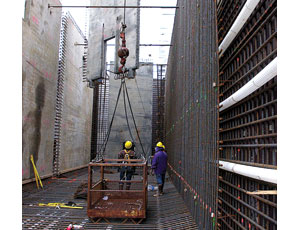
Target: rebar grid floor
165,212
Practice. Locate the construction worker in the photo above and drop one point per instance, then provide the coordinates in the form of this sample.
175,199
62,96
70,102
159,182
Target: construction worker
159,165
126,172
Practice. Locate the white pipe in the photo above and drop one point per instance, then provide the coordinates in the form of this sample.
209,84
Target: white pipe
269,72
263,174
238,24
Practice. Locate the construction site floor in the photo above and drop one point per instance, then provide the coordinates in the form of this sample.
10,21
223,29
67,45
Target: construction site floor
163,212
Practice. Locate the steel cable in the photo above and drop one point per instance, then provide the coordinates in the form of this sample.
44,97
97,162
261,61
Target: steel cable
103,147
125,109
144,154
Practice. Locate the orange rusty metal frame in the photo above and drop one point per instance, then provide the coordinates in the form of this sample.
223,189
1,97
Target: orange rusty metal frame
120,200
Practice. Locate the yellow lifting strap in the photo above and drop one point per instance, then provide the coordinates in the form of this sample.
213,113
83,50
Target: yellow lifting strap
36,174
126,156
61,205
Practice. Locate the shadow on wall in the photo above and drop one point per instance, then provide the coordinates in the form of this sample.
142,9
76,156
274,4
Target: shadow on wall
36,115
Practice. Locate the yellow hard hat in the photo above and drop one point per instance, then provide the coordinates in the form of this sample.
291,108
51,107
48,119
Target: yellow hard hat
164,147
128,144
159,144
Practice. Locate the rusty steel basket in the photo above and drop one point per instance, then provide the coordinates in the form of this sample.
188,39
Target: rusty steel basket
106,200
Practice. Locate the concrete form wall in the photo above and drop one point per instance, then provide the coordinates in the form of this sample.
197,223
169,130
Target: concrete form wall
140,94
111,19
139,89
41,28
41,36
77,104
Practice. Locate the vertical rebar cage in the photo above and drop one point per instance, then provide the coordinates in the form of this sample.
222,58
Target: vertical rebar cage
158,106
192,109
248,129
100,116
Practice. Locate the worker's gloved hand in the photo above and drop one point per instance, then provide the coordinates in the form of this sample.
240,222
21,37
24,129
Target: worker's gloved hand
152,172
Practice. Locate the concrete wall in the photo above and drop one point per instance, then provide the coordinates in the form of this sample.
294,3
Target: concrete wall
111,19
77,104
139,89
40,41
140,94
41,36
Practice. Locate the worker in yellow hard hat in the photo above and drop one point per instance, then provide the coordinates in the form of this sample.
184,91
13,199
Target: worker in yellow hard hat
126,172
159,165
160,145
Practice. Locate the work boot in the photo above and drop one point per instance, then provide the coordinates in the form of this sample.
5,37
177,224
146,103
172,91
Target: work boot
159,191
128,187
121,186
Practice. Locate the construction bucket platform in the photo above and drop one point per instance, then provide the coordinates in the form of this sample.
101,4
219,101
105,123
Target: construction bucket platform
106,197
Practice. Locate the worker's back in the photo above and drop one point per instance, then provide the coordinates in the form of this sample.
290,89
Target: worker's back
159,163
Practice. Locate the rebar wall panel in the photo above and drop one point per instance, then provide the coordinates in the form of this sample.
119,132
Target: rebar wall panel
248,130
100,116
192,109
158,107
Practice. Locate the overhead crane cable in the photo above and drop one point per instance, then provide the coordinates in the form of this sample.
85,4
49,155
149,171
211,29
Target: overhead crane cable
112,119
125,109
144,154
124,11
103,146
123,86
140,96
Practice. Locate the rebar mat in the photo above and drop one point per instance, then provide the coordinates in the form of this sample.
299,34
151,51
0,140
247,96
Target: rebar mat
165,212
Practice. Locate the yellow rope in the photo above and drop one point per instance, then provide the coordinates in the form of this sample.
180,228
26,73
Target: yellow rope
36,174
61,205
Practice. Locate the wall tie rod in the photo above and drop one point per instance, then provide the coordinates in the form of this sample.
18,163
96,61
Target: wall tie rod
114,7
